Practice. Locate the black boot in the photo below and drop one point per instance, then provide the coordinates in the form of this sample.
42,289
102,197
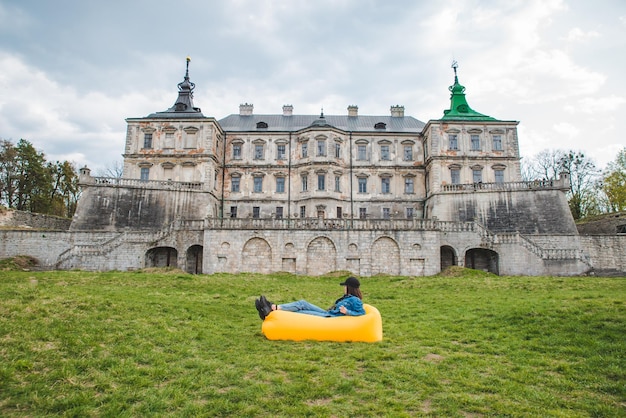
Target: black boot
266,304
260,308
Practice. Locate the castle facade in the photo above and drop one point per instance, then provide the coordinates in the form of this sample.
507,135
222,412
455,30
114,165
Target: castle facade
310,194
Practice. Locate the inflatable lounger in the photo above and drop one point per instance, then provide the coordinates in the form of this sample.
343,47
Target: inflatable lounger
283,325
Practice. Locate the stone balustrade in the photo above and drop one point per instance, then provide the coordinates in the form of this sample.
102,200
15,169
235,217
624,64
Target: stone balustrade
513,185
148,184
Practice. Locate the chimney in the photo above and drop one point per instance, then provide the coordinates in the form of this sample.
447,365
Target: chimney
353,110
245,109
287,110
397,111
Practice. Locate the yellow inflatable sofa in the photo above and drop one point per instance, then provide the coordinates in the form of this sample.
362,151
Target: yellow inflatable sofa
283,325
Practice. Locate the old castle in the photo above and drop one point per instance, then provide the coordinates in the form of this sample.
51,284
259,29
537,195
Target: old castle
310,194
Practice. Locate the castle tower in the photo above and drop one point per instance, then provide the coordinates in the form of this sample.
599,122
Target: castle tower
179,144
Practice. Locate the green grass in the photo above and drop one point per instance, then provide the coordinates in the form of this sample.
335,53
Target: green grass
171,344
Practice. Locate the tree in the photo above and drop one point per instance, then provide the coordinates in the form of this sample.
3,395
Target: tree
65,190
115,170
33,179
545,165
584,176
29,183
614,183
8,173
583,198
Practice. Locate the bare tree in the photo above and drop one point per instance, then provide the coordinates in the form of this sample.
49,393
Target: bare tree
115,169
545,165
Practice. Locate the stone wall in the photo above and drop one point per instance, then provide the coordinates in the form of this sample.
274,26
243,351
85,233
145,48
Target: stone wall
607,224
607,253
544,211
314,251
114,208
10,218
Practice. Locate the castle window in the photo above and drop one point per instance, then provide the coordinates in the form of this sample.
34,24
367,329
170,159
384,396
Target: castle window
337,150
499,176
305,150
475,142
147,141
234,183
453,141
305,182
280,152
236,151
409,213
339,212
261,125
280,185
258,151
321,148
361,152
380,125
497,142
384,153
233,211
386,213
256,212
337,183
385,185
408,153
145,174
477,175
362,184
279,212
408,185
362,213
258,184
455,176
321,182
303,211
169,140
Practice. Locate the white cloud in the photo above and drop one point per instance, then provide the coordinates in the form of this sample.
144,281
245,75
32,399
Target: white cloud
578,35
82,127
566,129
593,105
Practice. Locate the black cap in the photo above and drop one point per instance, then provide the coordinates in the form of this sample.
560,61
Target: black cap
352,282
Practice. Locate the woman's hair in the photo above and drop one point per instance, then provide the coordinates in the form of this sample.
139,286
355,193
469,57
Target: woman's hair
354,291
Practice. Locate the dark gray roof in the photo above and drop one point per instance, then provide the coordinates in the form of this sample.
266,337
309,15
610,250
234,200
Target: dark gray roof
238,123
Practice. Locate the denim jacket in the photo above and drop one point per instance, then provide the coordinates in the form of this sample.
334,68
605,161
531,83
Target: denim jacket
353,304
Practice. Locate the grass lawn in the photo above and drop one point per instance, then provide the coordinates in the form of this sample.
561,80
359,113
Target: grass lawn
172,344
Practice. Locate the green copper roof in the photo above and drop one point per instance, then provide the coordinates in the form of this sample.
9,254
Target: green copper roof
459,109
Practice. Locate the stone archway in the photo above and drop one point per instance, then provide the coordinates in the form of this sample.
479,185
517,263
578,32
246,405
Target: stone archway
385,257
194,259
256,256
161,257
447,257
321,256
482,259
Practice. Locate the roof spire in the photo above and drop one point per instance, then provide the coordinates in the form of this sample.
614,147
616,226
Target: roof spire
183,107
459,109
455,65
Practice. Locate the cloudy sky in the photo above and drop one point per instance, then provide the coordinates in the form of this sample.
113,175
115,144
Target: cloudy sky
71,71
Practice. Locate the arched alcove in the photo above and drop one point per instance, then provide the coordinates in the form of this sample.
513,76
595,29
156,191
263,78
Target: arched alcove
482,259
161,257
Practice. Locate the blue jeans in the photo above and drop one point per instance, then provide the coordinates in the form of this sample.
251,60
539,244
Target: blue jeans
304,307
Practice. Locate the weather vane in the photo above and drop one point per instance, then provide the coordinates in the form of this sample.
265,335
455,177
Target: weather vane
455,65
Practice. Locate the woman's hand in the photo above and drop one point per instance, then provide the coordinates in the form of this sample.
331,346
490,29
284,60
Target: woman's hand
343,310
